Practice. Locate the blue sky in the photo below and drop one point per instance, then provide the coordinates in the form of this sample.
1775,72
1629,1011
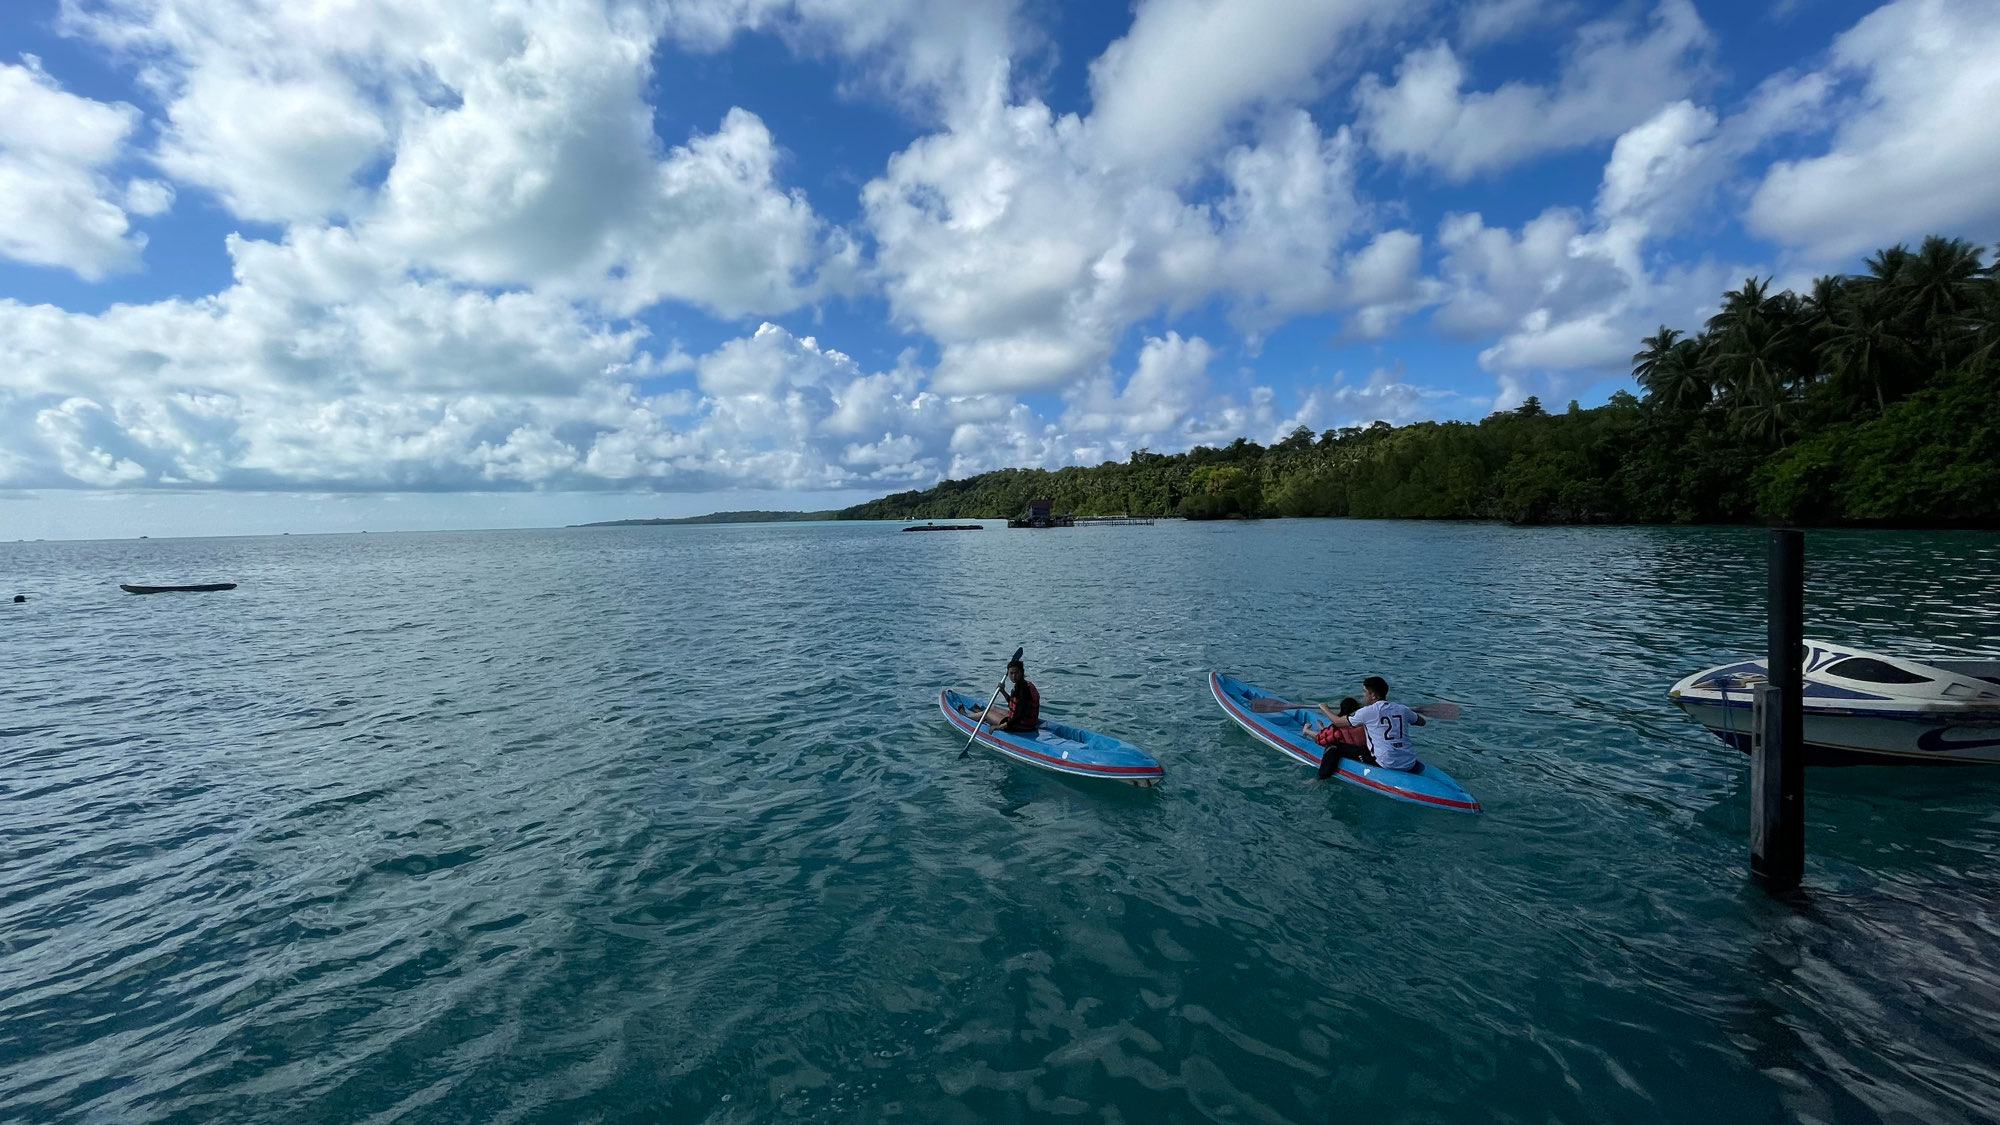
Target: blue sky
268,266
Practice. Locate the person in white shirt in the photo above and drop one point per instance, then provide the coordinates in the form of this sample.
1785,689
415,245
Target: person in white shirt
1388,726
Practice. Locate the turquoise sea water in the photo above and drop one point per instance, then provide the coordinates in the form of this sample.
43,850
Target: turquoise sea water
662,825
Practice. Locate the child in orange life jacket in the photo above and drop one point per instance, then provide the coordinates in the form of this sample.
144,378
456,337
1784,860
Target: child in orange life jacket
1340,742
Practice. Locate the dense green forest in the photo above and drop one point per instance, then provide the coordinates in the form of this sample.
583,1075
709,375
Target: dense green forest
1872,399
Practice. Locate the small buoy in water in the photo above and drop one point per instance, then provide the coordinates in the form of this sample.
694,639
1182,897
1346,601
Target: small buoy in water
19,598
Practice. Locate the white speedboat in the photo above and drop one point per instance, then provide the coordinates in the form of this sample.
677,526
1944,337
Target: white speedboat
1864,707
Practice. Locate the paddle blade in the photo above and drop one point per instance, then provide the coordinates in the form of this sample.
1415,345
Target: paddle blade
1437,710
1271,706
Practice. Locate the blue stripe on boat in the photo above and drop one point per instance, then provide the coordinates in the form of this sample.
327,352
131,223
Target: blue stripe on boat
1285,730
1058,746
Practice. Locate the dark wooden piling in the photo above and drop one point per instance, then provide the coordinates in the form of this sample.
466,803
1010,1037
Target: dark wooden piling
1777,759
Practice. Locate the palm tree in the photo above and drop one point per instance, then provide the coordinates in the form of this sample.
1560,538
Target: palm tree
1940,284
1647,361
1827,291
1985,318
1679,382
1865,348
1943,278
1739,305
1886,266
1757,353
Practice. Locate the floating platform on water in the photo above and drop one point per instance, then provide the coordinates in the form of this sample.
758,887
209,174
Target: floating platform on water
203,588
1114,521
946,527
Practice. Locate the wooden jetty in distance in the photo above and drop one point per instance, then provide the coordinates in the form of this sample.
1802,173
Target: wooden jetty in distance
1040,516
946,527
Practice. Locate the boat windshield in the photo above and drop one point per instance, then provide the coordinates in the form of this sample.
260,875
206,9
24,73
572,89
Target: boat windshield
1873,671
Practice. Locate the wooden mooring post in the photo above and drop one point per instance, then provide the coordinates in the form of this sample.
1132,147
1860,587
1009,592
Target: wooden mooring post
1777,756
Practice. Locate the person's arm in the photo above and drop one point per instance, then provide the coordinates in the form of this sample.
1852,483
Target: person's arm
1334,720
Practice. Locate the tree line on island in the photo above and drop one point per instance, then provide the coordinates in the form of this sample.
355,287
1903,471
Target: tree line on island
1874,398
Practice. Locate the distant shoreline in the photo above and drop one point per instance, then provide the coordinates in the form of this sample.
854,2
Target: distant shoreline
722,517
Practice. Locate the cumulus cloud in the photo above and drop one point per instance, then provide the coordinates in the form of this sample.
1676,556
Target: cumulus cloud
1571,292
1915,151
504,146
58,204
932,58
1385,396
188,395
1167,89
1007,241
1170,378
1613,77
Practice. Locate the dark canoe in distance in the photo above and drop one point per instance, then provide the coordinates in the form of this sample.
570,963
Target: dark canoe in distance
204,588
947,527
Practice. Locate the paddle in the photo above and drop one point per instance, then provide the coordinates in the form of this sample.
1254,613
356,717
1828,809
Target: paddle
989,703
1428,710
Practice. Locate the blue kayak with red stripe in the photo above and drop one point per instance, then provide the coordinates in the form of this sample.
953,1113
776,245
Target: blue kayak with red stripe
1285,730
1057,746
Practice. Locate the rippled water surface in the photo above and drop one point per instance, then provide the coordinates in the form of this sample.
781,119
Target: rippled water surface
662,824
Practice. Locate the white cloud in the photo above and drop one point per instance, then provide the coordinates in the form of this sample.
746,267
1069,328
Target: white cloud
76,430
934,58
1565,297
1614,76
519,196
274,149
1006,240
1170,378
1570,294
770,360
508,146
58,205
1187,69
1657,168
1384,396
1385,282
999,240
1494,21
1916,150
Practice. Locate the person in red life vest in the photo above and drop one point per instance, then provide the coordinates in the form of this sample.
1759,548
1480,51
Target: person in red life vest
1024,705
1340,742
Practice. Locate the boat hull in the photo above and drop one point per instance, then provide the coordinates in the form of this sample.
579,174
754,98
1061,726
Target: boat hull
1833,738
1057,747
1284,731
204,588
1861,707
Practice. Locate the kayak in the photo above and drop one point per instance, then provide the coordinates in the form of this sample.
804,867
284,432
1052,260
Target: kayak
1285,730
202,589
1057,746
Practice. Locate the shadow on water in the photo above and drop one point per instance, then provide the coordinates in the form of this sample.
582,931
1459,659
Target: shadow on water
1883,958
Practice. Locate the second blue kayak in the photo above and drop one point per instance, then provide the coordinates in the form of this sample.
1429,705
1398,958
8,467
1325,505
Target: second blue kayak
1285,730
1058,746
